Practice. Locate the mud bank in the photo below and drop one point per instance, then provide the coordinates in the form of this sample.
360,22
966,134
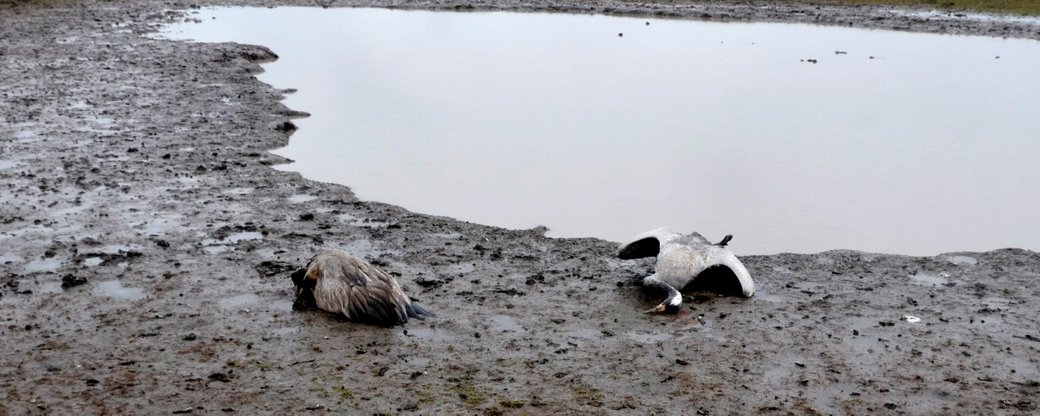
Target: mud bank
145,245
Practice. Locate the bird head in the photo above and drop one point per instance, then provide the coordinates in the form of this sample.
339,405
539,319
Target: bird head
304,293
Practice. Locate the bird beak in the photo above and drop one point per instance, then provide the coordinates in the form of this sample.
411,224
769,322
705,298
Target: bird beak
657,309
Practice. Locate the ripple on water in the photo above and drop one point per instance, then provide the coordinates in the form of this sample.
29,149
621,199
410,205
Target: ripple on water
115,289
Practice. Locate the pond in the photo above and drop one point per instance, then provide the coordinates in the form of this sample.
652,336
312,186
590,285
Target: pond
794,138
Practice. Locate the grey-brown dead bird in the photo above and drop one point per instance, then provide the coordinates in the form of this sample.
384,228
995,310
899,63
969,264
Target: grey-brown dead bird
338,282
688,262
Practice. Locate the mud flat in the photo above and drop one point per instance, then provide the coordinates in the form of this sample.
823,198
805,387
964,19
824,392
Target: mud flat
145,245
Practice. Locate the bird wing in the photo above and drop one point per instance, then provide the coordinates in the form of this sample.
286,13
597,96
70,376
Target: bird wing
360,291
722,257
647,244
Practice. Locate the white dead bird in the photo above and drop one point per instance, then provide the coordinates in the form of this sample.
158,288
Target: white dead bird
688,262
338,282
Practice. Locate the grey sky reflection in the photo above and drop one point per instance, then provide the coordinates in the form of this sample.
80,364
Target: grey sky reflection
902,143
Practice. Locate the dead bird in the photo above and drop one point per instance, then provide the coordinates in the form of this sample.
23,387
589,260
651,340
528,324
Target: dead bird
338,282
688,262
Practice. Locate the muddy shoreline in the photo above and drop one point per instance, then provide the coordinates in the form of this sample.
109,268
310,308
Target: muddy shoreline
145,244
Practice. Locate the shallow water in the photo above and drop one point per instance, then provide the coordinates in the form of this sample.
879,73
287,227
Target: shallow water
889,142
115,289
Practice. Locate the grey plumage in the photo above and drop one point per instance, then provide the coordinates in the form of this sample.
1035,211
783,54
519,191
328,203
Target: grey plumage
685,261
338,282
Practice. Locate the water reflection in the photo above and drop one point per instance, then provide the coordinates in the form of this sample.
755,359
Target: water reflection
889,142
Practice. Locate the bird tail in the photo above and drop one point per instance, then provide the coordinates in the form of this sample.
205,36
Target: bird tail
725,240
416,311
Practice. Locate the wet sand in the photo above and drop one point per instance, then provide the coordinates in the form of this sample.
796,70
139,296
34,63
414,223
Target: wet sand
145,247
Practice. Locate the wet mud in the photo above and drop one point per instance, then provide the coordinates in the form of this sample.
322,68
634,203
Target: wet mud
146,245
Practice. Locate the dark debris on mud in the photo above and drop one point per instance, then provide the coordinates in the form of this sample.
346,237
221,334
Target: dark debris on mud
146,246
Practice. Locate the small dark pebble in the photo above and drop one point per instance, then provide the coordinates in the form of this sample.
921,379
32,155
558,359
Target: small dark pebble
891,406
681,361
415,375
92,382
307,217
286,127
183,411
190,337
221,377
382,371
69,280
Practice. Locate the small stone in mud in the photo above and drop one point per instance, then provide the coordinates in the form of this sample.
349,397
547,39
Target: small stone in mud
681,361
620,35
92,382
428,282
307,217
190,337
221,377
69,280
286,127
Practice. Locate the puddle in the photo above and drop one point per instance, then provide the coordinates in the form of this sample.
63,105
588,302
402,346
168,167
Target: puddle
26,136
115,289
962,260
7,164
239,301
477,117
505,323
215,249
50,265
928,279
243,236
212,246
239,191
9,258
92,261
300,198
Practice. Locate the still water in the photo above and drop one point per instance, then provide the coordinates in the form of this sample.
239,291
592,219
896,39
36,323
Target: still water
794,138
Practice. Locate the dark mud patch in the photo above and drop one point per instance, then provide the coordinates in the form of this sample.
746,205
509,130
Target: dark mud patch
146,245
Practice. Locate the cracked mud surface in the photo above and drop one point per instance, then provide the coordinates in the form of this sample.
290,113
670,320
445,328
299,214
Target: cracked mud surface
145,247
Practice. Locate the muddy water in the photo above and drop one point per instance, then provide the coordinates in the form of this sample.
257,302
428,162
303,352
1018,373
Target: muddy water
794,138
